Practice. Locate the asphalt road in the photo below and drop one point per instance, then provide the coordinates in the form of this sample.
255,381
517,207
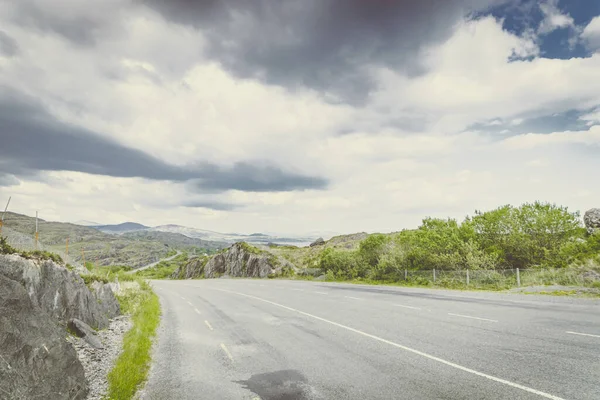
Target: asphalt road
293,340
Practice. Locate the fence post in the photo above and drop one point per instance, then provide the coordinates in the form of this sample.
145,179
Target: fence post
518,278
405,274
467,277
434,275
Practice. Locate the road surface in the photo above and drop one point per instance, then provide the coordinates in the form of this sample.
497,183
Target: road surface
293,340
154,264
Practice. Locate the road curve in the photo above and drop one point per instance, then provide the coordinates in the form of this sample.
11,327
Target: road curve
294,340
154,264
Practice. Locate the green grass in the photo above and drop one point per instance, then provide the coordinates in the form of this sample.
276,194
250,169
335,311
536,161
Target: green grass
132,366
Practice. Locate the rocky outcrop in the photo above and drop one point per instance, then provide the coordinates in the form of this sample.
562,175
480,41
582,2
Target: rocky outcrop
193,269
37,362
240,260
61,293
318,242
37,300
591,218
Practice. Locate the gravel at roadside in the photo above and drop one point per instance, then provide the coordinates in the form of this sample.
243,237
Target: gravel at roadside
97,363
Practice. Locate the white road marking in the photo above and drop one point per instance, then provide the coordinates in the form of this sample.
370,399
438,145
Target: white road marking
182,298
262,285
467,316
226,350
190,304
208,324
583,334
350,297
411,307
299,290
197,311
322,293
405,348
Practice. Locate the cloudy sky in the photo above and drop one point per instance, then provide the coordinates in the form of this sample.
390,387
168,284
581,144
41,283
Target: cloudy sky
297,115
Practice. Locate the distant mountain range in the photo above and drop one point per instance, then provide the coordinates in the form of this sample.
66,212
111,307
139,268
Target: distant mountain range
207,235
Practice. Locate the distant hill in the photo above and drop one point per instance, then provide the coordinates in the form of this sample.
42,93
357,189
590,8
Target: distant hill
121,228
133,249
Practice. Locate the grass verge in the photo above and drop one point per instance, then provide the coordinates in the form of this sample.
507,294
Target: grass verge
131,368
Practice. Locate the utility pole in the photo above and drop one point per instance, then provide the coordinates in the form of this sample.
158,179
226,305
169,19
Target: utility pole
37,235
3,214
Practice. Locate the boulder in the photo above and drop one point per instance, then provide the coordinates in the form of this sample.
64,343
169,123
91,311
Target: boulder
591,218
83,330
318,242
61,293
37,362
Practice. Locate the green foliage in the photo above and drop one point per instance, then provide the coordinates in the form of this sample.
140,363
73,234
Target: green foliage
533,235
372,248
5,248
131,368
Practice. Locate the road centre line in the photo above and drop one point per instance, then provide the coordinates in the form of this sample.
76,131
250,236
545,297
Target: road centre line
209,325
299,290
402,305
350,297
322,292
190,304
468,316
583,334
197,311
227,353
405,348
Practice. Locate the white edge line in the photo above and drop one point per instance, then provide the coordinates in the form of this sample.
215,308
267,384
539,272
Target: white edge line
350,297
411,307
226,350
468,316
411,350
583,334
208,324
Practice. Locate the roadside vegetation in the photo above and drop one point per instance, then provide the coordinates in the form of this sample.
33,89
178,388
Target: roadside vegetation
546,242
131,368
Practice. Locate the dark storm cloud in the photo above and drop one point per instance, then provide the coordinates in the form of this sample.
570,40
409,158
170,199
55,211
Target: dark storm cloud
322,44
32,140
8,180
8,45
543,123
212,205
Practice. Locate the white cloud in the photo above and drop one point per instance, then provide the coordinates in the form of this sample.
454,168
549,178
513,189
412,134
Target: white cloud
151,88
591,34
554,18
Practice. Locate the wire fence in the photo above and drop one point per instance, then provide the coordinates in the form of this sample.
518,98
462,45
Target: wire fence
504,278
23,242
